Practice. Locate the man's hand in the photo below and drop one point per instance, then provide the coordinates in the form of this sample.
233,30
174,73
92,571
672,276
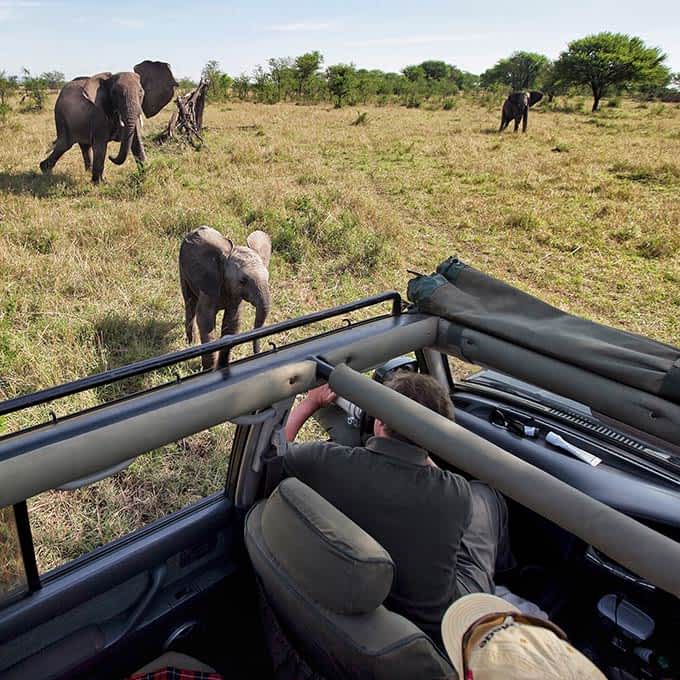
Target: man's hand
317,398
321,396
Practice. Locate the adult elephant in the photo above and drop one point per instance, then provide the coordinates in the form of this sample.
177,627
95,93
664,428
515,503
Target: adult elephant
214,274
93,111
516,107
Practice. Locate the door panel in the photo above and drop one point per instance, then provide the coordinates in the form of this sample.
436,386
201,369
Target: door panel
105,597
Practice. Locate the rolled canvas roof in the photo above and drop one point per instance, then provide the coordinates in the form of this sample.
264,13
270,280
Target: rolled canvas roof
466,296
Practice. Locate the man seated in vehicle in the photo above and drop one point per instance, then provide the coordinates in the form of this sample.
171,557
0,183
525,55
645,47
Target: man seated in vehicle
445,534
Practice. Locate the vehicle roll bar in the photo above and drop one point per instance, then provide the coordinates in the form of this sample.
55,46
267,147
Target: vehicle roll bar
225,343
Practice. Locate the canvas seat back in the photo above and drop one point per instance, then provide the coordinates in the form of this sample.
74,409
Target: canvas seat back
326,579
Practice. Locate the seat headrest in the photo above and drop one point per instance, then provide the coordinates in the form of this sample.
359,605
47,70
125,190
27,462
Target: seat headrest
329,557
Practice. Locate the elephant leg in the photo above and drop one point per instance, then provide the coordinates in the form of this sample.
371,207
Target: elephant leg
504,123
231,322
86,150
190,301
98,161
517,124
525,120
206,313
138,148
61,146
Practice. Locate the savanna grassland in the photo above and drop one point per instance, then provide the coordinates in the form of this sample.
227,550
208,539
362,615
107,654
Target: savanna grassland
583,211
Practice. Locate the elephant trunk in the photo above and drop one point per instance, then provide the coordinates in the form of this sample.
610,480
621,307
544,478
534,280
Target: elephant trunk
261,304
127,139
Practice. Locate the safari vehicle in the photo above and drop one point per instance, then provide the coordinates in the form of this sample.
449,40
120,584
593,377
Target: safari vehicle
577,424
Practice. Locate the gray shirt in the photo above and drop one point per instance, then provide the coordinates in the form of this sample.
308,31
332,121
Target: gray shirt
417,512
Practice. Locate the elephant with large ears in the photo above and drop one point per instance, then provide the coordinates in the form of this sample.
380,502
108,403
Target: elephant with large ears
516,107
215,275
93,111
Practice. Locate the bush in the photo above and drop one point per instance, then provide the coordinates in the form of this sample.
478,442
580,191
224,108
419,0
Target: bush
614,103
35,92
4,113
449,104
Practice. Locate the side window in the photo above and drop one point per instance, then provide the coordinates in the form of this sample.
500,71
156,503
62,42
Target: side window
12,575
69,523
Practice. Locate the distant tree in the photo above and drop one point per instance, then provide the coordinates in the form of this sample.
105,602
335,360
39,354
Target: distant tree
463,79
35,91
341,81
414,73
306,66
520,71
8,85
242,86
610,60
54,80
675,80
263,87
187,84
220,83
435,70
282,75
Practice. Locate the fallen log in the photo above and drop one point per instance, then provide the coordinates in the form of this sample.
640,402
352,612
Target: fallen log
188,119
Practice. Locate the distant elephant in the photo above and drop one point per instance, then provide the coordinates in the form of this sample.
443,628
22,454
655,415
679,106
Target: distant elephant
95,110
516,107
214,275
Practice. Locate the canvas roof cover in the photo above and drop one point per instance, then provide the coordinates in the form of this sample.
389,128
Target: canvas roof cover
472,299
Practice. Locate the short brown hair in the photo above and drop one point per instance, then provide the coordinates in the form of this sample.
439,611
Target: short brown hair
423,389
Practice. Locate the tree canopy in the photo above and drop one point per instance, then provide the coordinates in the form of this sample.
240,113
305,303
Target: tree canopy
341,80
520,71
611,59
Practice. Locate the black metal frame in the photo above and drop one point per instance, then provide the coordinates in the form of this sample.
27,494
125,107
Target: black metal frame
227,342
26,544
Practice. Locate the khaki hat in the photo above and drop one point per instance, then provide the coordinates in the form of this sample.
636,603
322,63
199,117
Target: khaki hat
488,639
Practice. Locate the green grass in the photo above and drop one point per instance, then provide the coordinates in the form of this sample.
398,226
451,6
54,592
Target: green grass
88,275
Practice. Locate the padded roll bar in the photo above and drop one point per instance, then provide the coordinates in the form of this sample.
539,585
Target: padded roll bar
644,551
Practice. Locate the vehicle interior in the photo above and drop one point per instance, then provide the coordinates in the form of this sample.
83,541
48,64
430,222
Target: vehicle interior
225,579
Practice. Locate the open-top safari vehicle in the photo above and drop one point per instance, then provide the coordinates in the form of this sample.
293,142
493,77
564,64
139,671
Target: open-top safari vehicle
577,424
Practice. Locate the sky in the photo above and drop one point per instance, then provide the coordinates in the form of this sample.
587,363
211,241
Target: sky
79,37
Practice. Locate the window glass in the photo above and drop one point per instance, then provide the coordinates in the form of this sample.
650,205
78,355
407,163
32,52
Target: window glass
462,369
12,575
67,524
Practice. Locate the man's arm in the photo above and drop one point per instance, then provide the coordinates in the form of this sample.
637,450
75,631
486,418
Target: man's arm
316,399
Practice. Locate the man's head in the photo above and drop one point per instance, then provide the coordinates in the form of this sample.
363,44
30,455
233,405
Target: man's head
423,389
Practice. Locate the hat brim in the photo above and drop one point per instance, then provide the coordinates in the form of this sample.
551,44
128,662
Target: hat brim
461,615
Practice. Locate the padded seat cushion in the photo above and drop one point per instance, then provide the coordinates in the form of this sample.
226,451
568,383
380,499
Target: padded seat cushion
300,544
335,562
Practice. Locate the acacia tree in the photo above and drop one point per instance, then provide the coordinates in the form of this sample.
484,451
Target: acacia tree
306,66
520,71
611,59
341,79
242,86
281,75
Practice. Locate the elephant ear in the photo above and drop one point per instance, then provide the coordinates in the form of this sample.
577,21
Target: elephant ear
96,89
534,97
158,83
260,242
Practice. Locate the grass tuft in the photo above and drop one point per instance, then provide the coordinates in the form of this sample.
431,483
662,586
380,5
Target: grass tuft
523,221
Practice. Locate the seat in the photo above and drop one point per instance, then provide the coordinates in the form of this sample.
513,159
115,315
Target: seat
326,580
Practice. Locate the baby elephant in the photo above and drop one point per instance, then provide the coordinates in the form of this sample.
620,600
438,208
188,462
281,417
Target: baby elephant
516,107
215,275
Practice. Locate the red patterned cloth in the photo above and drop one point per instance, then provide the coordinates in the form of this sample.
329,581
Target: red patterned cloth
170,673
